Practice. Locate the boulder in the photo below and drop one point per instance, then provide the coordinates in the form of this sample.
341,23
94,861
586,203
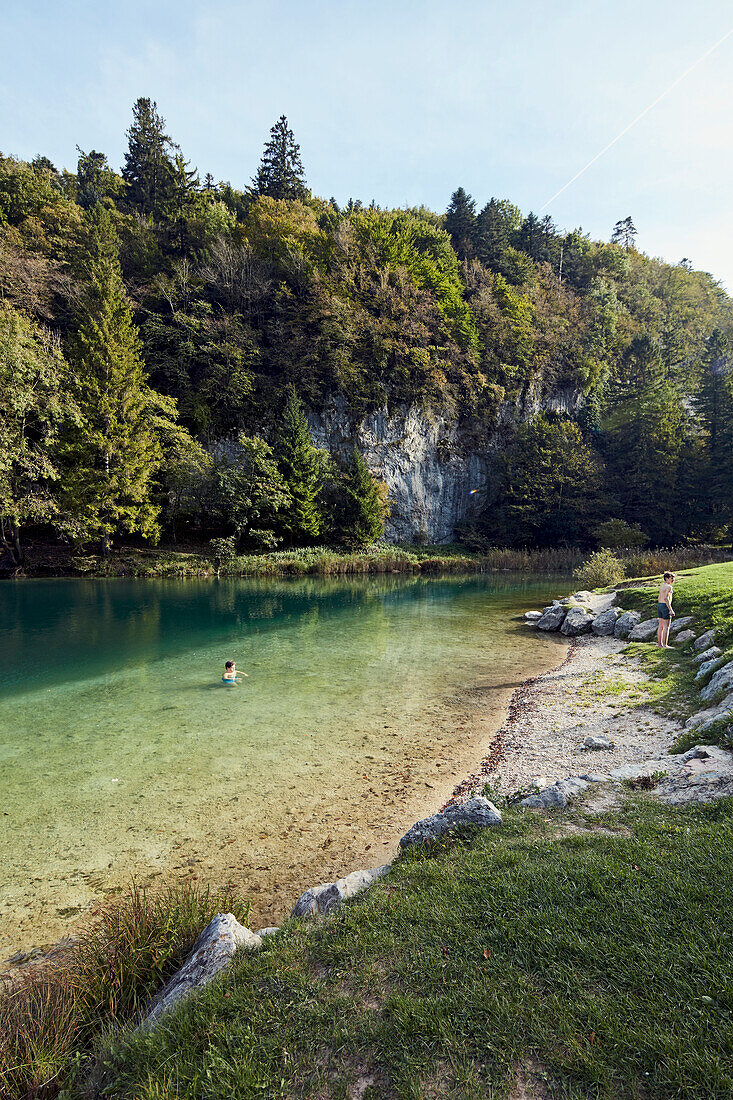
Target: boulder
326,898
720,682
557,795
706,718
577,621
532,616
705,640
604,624
552,619
597,743
644,632
211,953
708,654
685,636
705,669
681,624
625,623
474,811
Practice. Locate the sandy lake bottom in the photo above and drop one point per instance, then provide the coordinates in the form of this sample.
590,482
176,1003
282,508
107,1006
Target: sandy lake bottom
123,756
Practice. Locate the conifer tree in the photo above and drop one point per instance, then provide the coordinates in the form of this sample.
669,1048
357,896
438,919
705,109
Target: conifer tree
281,174
303,467
624,233
364,507
186,187
113,454
148,170
460,222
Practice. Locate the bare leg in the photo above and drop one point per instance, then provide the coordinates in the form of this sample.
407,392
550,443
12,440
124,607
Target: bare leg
665,633
660,630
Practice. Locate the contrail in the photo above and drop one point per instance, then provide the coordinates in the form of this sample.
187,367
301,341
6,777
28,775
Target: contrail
638,118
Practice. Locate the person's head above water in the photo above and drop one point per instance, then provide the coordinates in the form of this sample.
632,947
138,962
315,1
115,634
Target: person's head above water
229,664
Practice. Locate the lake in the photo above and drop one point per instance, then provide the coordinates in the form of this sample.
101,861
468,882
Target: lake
122,754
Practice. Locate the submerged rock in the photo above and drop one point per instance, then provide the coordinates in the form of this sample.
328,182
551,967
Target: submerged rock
474,811
211,953
552,618
625,623
326,898
644,632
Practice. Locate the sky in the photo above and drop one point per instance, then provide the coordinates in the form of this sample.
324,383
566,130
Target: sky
402,101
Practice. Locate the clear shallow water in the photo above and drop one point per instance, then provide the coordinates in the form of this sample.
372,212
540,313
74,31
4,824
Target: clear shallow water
121,753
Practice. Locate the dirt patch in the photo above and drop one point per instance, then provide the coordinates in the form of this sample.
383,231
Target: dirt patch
532,1082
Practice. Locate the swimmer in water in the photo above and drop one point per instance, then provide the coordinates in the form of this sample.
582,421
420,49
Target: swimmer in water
231,674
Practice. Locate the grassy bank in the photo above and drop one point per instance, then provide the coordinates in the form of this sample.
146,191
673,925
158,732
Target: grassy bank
196,561
586,956
707,594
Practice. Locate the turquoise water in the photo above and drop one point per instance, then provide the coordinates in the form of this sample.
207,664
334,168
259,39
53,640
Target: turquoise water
121,753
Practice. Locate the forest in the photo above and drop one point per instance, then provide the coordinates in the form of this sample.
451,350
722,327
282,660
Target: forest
164,336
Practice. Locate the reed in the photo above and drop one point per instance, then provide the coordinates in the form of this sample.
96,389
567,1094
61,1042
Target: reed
53,1015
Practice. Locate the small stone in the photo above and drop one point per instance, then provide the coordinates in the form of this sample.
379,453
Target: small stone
577,621
685,636
594,742
644,632
595,777
552,619
626,623
269,931
705,640
605,623
474,811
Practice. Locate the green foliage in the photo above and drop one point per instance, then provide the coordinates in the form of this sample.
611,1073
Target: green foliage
363,504
35,404
149,171
615,533
601,569
114,452
303,467
280,174
251,495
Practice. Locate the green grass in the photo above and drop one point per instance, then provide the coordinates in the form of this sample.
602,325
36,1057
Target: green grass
599,960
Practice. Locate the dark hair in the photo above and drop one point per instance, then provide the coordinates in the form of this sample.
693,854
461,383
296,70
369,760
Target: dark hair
668,575
228,664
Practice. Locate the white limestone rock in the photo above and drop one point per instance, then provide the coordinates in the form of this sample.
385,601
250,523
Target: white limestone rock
625,623
532,616
644,632
596,743
212,953
474,811
681,624
705,669
604,624
577,621
326,898
557,795
552,619
705,640
721,681
685,636
708,654
706,718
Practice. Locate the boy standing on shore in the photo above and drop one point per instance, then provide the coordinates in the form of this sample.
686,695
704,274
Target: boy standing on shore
665,614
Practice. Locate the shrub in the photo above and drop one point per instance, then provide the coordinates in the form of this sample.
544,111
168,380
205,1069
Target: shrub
616,534
601,569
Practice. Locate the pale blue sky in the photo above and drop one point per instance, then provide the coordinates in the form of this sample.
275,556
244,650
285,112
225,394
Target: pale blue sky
403,101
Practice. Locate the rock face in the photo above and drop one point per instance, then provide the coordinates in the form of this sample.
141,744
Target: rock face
211,953
644,632
474,811
705,641
326,898
577,621
552,618
605,624
721,681
625,623
419,454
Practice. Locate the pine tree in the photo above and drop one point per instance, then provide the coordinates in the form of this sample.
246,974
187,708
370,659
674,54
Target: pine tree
303,467
460,222
112,456
186,186
364,506
624,233
148,170
281,174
